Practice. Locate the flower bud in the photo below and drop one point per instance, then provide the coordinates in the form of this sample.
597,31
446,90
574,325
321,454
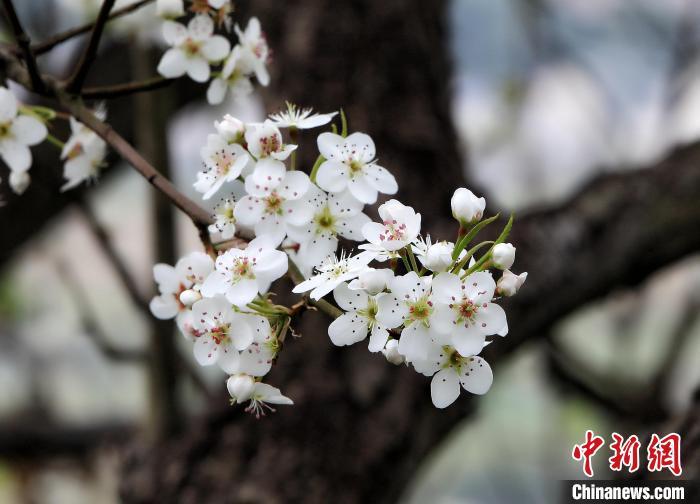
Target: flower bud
503,255
391,352
438,256
189,297
372,281
466,207
240,387
19,181
230,129
170,9
510,283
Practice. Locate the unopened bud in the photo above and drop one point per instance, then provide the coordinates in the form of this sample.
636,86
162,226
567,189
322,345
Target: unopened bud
189,297
391,352
438,256
510,283
503,256
240,387
466,207
19,181
231,129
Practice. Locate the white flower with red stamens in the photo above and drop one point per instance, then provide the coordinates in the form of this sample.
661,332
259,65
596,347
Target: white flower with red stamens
231,79
265,140
271,210
255,52
399,227
256,358
224,219
223,333
84,154
465,311
361,318
242,274
189,272
193,48
223,162
409,304
350,165
332,272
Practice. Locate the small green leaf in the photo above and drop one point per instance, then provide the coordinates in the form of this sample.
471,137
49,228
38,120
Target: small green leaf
467,238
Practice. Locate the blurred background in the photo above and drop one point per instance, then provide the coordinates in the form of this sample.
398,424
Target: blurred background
582,116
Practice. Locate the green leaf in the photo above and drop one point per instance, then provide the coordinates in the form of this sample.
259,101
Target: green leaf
501,238
343,124
467,238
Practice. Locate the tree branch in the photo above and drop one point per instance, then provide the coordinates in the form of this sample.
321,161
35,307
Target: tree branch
50,43
108,92
75,82
37,83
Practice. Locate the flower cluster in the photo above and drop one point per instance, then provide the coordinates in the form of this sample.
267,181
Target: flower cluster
432,305
195,48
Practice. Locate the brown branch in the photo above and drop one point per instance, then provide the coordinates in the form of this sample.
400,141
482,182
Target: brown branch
48,44
37,83
76,81
108,92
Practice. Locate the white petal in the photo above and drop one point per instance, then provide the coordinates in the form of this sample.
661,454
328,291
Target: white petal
28,130
318,248
415,342
363,145
377,338
351,228
476,376
329,145
229,361
271,265
241,332
8,105
444,388
271,226
391,311
206,351
332,176
468,340
16,155
174,33
490,319
347,329
381,179
297,213
446,288
164,307
408,286
217,91
294,185
256,360
268,173
249,210
197,69
215,48
479,287
173,64
215,283
167,278
350,300
362,190
242,292
443,318
200,27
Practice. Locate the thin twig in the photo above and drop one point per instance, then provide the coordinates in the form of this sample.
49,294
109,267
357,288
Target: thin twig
76,81
37,83
50,43
129,88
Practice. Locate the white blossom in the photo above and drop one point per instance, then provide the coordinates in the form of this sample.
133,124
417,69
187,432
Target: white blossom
17,133
361,318
241,274
256,358
334,215
350,165
509,283
83,153
409,304
466,207
270,211
231,78
265,140
223,333
240,387
400,226
436,257
294,117
331,273
503,256
263,395
190,271
224,219
19,181
372,281
223,162
230,129
255,52
193,48
465,311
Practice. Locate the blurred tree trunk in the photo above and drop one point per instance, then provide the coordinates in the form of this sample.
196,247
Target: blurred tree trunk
349,437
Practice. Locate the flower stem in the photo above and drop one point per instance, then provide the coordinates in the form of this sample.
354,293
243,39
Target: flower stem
54,141
320,159
412,258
